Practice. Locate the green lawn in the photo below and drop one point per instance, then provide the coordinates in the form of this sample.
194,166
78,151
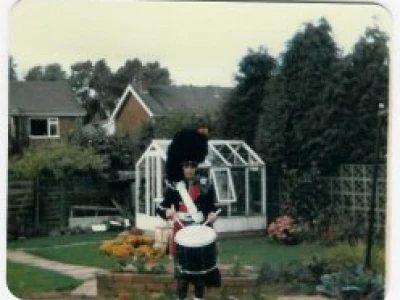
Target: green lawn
50,241
24,279
258,250
86,255
250,250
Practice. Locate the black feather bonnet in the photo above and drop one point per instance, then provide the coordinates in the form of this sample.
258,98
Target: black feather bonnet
186,145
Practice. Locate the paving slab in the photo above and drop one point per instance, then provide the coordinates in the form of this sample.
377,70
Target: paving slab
75,271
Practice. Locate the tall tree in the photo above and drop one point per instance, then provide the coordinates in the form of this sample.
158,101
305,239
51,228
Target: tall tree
125,75
359,85
12,72
306,69
153,73
134,71
268,143
100,82
81,74
35,73
54,72
240,113
50,72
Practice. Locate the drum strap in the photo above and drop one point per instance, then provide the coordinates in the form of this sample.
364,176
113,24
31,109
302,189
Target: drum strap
192,209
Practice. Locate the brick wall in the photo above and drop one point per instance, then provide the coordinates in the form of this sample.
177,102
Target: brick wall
67,126
132,115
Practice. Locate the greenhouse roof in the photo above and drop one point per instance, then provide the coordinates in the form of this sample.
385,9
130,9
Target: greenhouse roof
223,153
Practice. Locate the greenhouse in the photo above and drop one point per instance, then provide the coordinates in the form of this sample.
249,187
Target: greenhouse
238,176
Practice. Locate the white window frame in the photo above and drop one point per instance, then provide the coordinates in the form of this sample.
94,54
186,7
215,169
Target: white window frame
231,187
50,122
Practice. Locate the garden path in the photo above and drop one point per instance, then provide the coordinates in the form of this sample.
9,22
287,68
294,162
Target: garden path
88,288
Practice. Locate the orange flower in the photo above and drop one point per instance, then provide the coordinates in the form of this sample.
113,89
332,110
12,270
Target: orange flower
107,247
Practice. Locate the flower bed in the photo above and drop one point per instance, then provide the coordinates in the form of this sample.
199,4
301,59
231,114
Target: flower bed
112,284
134,251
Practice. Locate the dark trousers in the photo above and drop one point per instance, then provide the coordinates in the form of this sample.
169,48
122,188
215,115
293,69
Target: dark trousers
182,289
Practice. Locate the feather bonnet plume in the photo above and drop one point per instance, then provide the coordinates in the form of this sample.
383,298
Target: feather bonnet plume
186,145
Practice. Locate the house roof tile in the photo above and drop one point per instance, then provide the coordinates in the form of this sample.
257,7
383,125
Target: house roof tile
43,98
167,100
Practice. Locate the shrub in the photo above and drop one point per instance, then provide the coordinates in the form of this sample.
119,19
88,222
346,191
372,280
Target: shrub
356,283
350,230
284,229
59,159
343,257
295,272
121,151
309,201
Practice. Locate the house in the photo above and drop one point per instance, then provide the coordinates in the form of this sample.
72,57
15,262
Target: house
138,105
41,111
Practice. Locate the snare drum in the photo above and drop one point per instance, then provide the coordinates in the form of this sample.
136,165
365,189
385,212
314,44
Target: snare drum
196,250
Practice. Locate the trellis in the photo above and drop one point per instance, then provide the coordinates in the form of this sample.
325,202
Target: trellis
351,188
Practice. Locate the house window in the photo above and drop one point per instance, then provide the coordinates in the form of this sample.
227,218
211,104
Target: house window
48,127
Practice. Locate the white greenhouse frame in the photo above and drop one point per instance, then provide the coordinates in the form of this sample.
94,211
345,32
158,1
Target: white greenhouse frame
243,203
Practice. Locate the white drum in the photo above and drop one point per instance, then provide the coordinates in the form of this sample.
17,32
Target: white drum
196,249
195,236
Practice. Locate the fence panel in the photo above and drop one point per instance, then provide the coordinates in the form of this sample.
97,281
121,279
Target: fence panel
20,205
48,206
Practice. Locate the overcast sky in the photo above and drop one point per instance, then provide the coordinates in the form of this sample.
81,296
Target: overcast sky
200,43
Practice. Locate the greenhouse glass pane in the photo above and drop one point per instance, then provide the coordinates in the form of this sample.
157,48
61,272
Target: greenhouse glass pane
223,185
255,196
214,159
221,179
238,208
142,190
225,152
242,152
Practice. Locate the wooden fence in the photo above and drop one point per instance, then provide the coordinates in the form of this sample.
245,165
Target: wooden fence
20,205
45,203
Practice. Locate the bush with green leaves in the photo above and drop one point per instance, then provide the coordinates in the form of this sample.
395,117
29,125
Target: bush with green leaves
59,159
295,272
350,229
121,151
309,202
343,257
357,283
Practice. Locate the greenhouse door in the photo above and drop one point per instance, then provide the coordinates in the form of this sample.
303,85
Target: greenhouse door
152,188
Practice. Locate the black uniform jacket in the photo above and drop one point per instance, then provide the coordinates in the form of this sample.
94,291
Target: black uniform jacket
204,203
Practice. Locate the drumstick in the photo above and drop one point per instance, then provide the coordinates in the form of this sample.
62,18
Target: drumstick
176,218
216,213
